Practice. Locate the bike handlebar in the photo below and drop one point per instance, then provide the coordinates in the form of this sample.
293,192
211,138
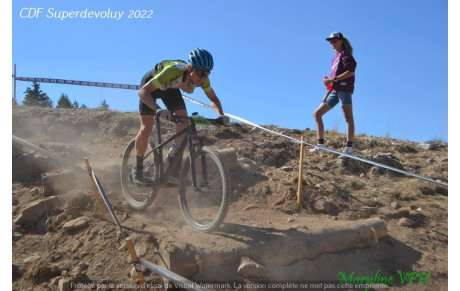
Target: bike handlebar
178,118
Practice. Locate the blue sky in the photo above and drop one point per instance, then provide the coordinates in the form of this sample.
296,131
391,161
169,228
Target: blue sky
270,57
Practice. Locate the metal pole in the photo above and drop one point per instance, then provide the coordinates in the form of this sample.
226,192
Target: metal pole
93,183
299,187
14,86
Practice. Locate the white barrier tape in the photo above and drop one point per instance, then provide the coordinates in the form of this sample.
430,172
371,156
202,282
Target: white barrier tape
241,119
107,203
46,153
136,87
325,148
181,282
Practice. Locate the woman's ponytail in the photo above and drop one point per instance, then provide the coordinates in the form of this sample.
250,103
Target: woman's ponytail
346,45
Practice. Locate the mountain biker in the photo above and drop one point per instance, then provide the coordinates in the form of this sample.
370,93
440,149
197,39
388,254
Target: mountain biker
165,81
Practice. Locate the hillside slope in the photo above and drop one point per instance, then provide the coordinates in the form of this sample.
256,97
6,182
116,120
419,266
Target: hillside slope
263,210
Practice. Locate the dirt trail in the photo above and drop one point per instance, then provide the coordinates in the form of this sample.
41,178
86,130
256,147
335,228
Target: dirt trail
266,237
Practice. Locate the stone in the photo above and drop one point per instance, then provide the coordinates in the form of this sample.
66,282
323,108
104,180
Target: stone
290,207
33,211
250,269
249,166
83,266
33,258
368,210
76,273
250,206
404,221
133,272
325,206
64,285
395,205
279,202
426,146
76,245
76,223
287,168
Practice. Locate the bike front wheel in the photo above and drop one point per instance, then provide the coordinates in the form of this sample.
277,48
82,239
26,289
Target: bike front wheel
204,207
138,197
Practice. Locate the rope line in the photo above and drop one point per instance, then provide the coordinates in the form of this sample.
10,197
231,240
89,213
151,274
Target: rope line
183,282
325,148
47,153
137,87
107,203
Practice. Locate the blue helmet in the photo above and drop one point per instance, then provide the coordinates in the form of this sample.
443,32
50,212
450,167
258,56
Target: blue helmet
201,59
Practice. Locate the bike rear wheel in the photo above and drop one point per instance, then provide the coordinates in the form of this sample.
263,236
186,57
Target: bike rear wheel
205,208
138,197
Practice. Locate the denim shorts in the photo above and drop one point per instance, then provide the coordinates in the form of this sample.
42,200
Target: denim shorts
333,98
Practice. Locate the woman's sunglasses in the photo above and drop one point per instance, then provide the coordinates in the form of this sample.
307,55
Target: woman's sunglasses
334,41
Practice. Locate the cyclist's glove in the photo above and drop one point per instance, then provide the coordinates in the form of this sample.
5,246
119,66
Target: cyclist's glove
223,120
163,113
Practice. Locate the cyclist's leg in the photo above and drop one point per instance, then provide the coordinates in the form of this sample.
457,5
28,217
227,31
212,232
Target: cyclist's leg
175,103
142,137
146,117
141,141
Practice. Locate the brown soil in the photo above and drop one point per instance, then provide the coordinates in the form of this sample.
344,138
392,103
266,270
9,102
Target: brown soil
264,223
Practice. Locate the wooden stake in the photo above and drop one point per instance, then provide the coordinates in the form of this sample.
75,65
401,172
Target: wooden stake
93,183
299,187
137,266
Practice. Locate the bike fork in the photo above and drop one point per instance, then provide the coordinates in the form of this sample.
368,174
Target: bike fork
193,153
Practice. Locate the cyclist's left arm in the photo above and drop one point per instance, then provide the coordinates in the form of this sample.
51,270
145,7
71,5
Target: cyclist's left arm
215,102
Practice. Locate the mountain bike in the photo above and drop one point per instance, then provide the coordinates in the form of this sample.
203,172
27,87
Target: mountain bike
204,183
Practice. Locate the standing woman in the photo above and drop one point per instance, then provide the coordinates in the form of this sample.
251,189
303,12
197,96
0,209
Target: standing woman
343,84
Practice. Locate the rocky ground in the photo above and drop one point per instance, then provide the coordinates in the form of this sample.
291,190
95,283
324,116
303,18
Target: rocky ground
60,242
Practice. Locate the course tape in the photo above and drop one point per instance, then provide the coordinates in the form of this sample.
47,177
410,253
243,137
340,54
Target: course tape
79,83
136,87
46,153
182,282
325,148
107,203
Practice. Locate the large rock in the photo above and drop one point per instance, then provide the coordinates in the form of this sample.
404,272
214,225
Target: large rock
32,212
327,207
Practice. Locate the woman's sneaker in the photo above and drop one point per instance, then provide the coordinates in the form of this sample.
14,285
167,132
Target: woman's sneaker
348,151
317,149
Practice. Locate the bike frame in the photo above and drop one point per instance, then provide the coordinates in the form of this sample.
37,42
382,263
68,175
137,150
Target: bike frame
191,133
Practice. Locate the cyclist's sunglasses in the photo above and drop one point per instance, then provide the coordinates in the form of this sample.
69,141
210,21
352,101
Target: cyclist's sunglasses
202,73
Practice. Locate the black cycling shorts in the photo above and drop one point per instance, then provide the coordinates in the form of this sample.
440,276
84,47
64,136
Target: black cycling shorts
172,98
